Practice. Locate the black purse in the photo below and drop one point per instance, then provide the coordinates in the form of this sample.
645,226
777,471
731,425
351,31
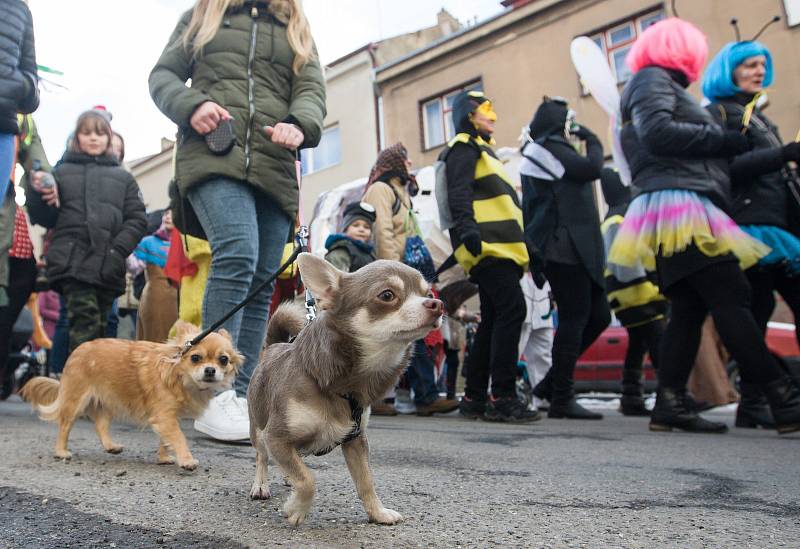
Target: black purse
183,216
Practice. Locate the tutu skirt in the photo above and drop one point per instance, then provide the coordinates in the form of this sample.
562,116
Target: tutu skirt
666,223
784,245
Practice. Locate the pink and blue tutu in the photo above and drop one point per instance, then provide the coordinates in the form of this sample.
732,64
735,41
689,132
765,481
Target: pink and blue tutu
666,223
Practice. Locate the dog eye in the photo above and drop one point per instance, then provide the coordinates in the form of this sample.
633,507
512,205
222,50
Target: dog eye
223,360
386,295
196,358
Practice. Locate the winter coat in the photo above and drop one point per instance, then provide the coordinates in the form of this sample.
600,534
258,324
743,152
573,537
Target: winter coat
19,92
561,216
100,221
247,69
669,140
759,190
482,200
391,228
348,255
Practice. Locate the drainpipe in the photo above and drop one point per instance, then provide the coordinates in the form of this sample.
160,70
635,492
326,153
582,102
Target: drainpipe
371,49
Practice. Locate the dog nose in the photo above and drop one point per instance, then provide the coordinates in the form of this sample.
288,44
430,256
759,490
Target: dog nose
210,371
434,305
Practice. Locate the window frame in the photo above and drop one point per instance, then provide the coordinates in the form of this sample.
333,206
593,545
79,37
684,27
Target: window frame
444,112
309,153
604,34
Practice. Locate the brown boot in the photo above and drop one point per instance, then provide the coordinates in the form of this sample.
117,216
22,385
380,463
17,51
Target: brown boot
438,406
383,408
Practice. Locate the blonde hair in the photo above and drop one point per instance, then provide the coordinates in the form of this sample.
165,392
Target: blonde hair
207,16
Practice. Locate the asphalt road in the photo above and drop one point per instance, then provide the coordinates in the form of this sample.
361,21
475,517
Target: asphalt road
555,483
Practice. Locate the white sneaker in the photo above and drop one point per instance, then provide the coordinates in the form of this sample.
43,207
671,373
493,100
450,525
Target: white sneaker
225,418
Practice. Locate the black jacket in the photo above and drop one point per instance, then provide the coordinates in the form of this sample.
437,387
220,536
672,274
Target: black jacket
19,92
561,216
100,221
669,140
759,190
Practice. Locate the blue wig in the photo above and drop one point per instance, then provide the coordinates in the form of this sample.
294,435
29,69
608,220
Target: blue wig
718,79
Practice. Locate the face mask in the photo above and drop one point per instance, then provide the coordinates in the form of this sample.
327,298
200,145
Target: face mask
485,109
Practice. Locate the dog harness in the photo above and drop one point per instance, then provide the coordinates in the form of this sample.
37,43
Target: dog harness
355,413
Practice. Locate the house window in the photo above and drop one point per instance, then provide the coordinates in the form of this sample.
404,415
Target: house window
328,153
437,118
616,42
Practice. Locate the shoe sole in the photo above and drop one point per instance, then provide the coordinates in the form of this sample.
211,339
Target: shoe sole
786,429
218,435
661,428
563,416
504,419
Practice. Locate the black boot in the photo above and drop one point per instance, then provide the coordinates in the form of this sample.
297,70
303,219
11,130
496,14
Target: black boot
784,400
632,401
563,403
671,412
753,410
509,410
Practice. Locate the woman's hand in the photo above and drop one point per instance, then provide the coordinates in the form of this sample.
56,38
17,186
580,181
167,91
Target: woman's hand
207,116
48,191
286,135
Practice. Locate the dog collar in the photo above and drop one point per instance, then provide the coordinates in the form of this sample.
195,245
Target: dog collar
356,412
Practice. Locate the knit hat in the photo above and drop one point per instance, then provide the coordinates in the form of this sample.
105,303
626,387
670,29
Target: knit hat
391,161
358,210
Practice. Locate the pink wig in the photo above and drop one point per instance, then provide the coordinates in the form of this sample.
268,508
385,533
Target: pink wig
673,44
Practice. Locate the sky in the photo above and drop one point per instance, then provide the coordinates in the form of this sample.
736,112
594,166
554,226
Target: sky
106,48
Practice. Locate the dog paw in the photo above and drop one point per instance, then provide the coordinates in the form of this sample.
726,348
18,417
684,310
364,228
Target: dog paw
295,510
169,460
189,465
115,449
386,516
63,454
259,491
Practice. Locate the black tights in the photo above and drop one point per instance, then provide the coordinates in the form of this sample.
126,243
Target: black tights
583,314
720,289
765,282
642,339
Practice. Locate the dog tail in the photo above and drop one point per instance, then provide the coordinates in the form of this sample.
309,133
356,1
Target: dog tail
42,393
286,323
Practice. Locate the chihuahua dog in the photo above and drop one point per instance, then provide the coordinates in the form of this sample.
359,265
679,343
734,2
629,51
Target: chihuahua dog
311,395
150,383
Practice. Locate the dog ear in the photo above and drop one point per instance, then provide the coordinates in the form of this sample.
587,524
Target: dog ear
320,277
224,333
184,331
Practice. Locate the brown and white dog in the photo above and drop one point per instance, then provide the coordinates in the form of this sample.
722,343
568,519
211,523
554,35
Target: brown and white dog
146,382
306,397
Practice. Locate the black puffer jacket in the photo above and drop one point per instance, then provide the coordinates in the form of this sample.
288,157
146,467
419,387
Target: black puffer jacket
759,188
100,221
669,140
19,92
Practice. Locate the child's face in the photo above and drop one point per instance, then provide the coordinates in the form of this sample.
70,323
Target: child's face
92,142
359,230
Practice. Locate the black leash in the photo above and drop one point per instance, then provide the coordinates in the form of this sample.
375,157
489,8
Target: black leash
301,240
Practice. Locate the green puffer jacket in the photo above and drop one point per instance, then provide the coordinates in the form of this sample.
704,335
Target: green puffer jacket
247,69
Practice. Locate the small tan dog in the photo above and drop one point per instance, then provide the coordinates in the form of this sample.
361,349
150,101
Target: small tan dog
312,395
143,381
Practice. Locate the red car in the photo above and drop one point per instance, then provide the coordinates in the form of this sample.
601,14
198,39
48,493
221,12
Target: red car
600,367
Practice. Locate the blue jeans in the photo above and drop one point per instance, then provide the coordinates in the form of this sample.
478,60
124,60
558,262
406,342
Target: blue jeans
60,351
421,375
247,232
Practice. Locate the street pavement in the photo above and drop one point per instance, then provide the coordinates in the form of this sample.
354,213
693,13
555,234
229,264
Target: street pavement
555,483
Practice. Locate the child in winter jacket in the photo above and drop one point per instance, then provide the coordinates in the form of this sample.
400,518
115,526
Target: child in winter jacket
96,212
350,250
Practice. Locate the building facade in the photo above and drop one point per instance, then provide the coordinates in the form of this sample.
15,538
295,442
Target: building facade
523,54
